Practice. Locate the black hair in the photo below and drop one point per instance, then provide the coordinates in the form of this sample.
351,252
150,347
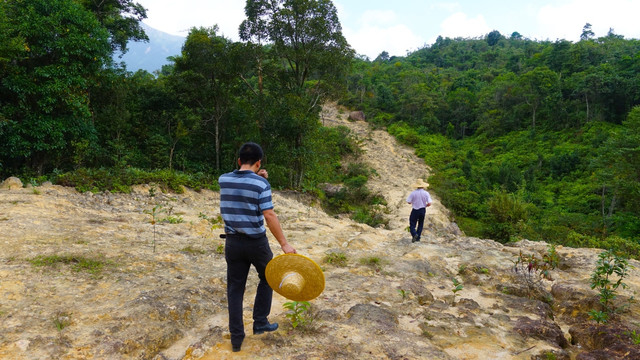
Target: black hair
250,153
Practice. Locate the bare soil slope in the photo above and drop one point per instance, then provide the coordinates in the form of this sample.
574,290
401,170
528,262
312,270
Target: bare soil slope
106,293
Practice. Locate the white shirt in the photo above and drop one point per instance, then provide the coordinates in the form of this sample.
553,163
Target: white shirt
419,198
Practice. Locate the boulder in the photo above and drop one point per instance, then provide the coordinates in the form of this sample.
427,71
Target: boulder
418,287
611,341
541,329
11,183
357,116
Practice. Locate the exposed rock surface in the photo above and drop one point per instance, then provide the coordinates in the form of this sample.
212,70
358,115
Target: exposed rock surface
357,116
110,296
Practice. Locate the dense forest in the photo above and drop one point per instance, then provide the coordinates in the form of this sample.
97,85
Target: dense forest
533,139
526,138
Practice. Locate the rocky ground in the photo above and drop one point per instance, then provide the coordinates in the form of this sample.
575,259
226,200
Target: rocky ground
87,276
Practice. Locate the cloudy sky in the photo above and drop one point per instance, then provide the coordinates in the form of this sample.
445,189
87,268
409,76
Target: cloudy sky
399,26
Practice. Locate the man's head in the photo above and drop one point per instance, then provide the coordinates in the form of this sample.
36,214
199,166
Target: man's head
250,153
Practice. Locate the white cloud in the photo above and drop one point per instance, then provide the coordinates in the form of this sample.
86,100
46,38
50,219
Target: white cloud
177,17
460,25
378,31
371,40
565,21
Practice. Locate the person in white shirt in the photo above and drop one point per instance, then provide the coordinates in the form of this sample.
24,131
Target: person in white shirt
419,200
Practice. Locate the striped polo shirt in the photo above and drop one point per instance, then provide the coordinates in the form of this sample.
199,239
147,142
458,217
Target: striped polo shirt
243,197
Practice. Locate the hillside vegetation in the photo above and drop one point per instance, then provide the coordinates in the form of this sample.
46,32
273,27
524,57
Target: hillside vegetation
528,139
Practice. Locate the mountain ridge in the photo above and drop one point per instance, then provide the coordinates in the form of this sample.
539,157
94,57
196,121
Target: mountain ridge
152,55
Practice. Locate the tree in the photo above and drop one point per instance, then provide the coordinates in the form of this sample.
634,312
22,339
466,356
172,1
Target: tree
587,34
493,37
538,87
206,75
311,59
121,18
620,164
384,56
44,99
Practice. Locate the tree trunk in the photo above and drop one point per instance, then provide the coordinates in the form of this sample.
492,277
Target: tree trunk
586,100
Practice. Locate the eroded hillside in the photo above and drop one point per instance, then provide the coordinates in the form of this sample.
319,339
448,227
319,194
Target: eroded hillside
79,279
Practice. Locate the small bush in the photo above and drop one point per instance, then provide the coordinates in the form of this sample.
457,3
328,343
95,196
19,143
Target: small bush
337,259
77,263
121,180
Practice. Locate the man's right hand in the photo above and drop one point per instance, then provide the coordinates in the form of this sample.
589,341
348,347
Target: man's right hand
288,249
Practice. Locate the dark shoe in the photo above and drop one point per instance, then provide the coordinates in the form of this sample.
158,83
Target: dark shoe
262,329
414,239
236,348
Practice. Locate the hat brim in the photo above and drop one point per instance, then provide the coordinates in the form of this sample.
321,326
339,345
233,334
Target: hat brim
313,276
420,184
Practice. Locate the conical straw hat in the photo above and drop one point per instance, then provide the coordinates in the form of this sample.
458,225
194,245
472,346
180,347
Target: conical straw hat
295,277
420,184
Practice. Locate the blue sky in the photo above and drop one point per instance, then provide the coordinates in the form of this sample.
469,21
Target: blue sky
399,26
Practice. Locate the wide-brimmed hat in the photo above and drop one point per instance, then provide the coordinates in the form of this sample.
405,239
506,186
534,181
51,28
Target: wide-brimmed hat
295,277
420,184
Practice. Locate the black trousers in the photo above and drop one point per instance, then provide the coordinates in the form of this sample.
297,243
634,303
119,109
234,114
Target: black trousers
241,252
416,218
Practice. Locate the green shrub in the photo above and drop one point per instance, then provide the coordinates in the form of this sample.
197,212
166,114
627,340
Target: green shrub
607,277
338,259
121,180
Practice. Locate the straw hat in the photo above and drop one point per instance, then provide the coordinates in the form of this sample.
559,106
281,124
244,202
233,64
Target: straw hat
420,184
295,277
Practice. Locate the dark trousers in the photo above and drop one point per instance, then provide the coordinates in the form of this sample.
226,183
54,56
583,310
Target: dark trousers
416,217
241,252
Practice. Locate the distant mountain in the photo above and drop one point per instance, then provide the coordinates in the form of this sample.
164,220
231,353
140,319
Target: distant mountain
150,56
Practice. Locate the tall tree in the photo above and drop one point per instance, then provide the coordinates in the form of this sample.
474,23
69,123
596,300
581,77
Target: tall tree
538,87
122,18
311,57
206,74
44,102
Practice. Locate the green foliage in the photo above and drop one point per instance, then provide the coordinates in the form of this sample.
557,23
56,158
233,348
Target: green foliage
77,263
373,262
404,293
62,320
457,286
505,213
114,180
300,314
552,257
355,198
635,336
543,186
338,259
216,222
43,108
193,251
539,121
607,277
154,213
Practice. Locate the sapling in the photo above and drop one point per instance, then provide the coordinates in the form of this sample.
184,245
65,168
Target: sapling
533,271
457,286
299,313
155,212
403,293
604,279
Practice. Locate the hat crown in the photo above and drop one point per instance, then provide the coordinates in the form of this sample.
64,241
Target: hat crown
295,277
292,283
420,184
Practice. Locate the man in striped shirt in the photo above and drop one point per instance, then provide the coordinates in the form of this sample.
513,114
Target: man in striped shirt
245,205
